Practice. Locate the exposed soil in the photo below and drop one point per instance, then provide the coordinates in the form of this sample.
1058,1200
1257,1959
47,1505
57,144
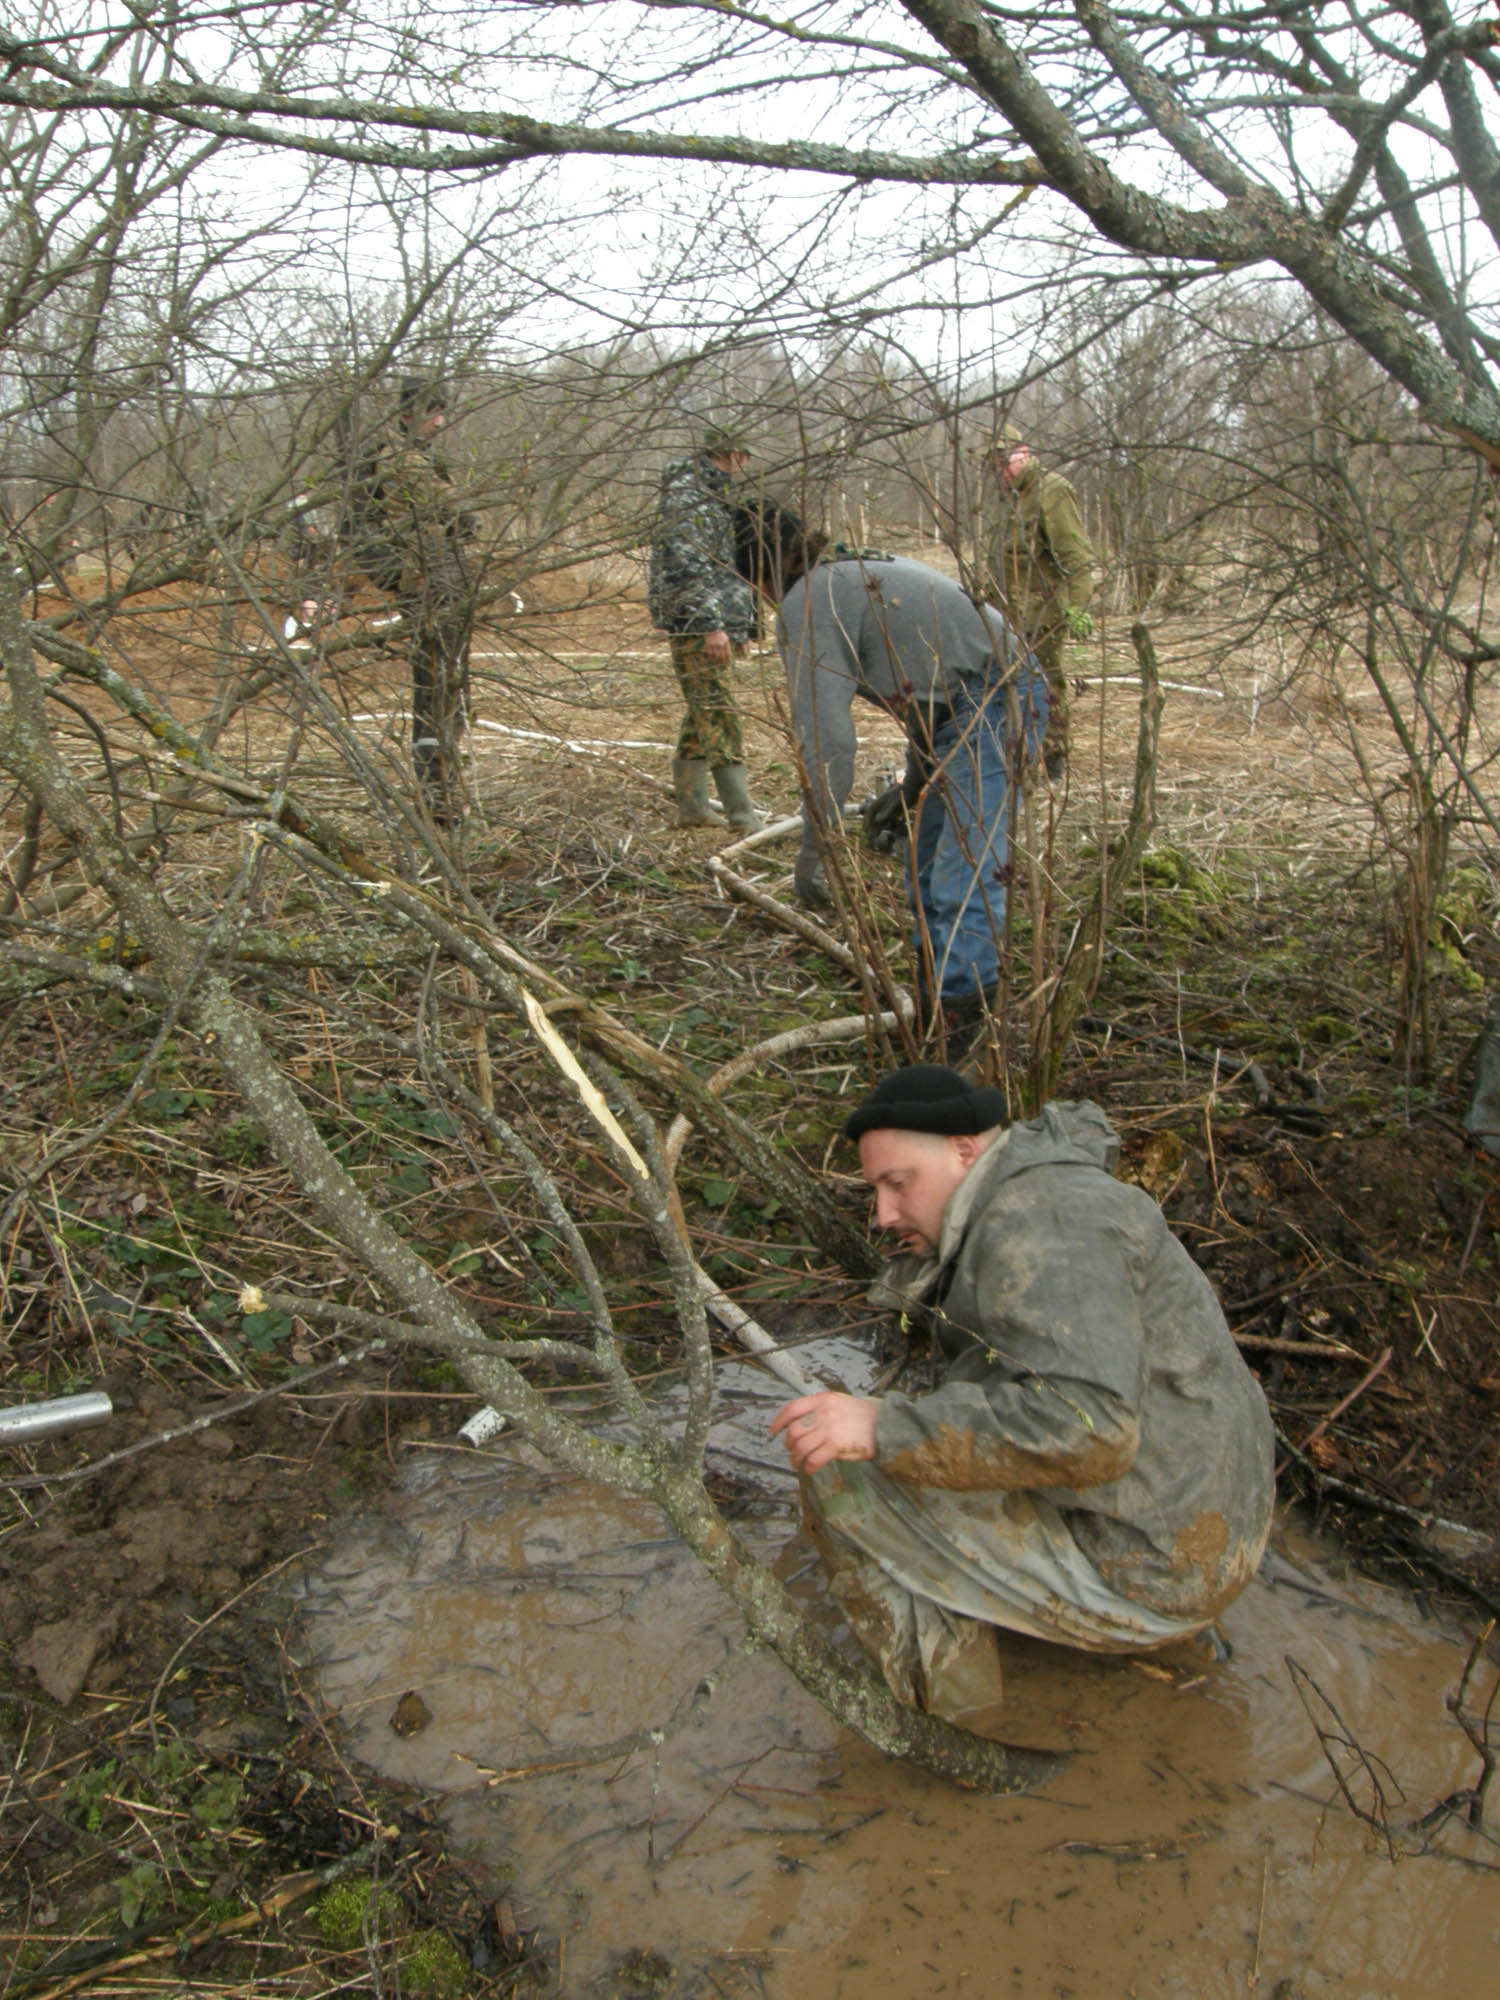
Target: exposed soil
1185,1845
169,1768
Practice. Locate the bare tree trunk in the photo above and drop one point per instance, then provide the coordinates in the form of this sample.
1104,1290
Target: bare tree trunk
1081,968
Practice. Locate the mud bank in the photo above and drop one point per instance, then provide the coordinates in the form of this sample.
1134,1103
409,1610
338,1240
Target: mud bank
481,1639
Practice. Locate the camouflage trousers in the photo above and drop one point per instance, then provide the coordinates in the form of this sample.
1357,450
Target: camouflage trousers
711,730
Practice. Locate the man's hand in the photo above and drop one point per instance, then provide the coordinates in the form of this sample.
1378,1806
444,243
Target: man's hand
717,647
884,819
1080,623
817,1429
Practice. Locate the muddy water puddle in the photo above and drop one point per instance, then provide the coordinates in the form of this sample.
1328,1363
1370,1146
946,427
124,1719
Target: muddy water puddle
1196,1844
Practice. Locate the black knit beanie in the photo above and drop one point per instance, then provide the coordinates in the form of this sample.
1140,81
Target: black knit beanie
417,395
924,1097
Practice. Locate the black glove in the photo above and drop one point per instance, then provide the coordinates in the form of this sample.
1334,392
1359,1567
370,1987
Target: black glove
887,817
884,819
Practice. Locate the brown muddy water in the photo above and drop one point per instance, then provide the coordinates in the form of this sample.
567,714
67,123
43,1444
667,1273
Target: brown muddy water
1196,1845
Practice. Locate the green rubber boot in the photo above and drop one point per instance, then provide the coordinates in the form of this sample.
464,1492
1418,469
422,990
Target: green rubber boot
690,788
734,790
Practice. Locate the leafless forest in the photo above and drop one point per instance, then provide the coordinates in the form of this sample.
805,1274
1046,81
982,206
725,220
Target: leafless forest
303,1090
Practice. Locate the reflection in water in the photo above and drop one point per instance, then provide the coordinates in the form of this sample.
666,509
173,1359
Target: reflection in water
1195,1846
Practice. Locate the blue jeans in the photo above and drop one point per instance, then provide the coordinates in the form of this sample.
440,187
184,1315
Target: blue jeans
961,849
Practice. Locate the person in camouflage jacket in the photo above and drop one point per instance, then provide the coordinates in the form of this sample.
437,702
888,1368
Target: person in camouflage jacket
1043,571
697,596
426,529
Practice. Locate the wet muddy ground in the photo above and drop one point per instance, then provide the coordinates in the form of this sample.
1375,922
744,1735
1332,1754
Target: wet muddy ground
483,1635
1198,1842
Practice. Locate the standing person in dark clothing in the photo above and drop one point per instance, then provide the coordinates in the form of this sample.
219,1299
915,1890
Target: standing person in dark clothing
698,597
426,531
1043,568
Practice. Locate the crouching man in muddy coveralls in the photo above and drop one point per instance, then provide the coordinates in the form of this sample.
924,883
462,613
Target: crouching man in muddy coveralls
1095,1467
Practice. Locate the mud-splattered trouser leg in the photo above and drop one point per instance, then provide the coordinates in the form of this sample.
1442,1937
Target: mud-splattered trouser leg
930,1657
913,1567
711,731
439,703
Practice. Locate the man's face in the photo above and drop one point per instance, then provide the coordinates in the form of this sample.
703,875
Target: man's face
912,1175
433,422
732,462
1013,463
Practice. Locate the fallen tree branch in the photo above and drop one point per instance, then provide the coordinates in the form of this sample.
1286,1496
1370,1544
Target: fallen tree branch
1372,1374
815,1035
647,1467
1270,1343
785,915
756,1340
1412,1518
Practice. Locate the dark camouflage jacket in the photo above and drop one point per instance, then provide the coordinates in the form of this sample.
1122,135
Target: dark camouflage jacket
423,522
693,584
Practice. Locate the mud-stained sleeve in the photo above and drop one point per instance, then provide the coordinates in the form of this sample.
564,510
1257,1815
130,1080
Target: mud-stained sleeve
1037,1434
1050,1396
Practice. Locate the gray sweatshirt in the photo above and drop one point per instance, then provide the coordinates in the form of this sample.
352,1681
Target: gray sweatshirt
896,633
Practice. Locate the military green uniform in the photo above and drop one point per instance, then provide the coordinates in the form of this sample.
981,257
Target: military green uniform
1043,569
694,587
426,528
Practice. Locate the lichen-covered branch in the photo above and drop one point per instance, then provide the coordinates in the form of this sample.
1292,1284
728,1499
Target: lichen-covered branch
432,1316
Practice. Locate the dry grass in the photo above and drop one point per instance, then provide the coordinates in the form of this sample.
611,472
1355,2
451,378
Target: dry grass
1257,932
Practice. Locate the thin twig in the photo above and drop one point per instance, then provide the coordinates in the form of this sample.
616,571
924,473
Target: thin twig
1370,1375
203,1624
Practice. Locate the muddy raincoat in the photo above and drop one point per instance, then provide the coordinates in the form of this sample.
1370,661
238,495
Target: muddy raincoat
1096,1466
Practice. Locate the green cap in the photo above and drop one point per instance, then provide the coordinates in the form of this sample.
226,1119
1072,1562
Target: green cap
720,439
